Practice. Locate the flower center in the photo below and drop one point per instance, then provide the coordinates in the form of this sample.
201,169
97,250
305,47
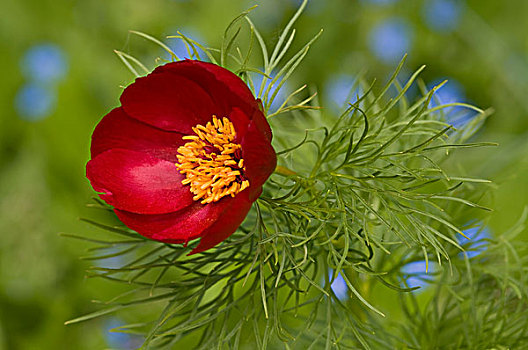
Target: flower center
211,161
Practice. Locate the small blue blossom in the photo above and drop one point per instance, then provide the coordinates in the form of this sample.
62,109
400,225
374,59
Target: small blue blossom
452,92
339,286
390,40
114,262
415,275
179,48
281,94
442,15
34,102
476,244
44,63
120,340
338,90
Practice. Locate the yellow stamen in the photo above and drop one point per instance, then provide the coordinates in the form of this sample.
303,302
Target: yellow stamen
209,164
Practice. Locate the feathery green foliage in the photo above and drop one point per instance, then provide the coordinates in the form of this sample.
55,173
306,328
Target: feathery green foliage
358,195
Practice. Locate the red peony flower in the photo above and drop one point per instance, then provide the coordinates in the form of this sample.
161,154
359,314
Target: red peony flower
185,156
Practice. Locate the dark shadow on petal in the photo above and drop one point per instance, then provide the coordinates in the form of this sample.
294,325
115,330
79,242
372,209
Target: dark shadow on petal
169,102
228,222
117,130
177,227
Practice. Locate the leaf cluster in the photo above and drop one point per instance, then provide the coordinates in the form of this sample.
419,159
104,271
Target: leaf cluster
356,196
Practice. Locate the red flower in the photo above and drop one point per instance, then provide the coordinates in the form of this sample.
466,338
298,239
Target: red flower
185,156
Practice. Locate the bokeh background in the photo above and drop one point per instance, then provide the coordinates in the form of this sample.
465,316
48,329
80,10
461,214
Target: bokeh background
60,76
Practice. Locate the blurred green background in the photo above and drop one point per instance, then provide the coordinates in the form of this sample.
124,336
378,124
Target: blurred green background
60,76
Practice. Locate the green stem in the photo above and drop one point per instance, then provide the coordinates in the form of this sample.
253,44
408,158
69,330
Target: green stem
363,287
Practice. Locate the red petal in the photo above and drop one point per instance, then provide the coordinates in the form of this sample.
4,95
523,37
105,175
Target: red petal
226,88
259,156
262,124
137,182
177,227
169,102
117,130
240,121
226,224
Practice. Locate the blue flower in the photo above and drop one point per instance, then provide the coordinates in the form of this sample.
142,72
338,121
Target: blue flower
338,90
452,92
390,40
34,102
114,262
476,244
442,15
338,286
120,340
281,94
44,63
179,48
415,275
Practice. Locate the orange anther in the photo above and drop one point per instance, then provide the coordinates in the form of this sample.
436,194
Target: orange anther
216,174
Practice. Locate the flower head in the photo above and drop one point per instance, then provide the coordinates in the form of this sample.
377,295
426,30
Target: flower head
185,156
